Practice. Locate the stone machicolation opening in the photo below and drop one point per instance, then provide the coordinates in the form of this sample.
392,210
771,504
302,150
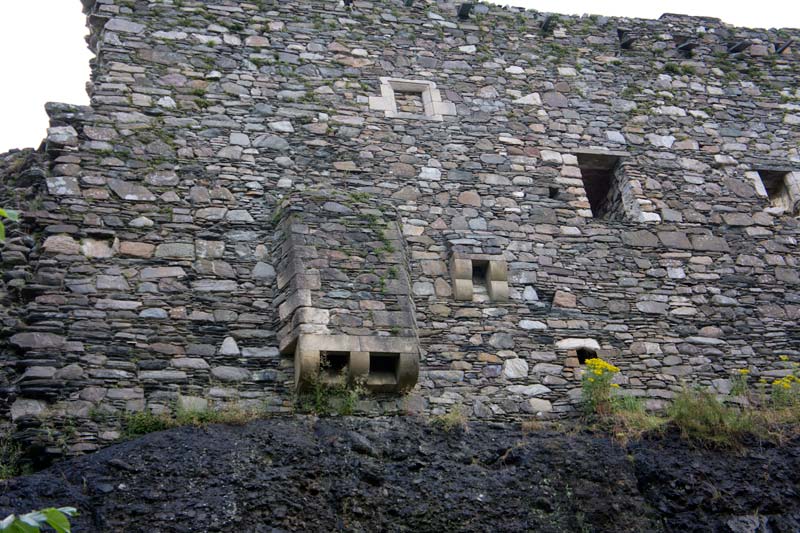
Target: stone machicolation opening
383,369
334,366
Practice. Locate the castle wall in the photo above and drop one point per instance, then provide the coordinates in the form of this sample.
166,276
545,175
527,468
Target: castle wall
155,265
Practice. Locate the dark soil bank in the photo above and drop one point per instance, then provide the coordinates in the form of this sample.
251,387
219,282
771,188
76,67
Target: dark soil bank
403,475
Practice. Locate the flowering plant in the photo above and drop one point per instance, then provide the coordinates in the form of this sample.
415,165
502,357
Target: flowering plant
596,384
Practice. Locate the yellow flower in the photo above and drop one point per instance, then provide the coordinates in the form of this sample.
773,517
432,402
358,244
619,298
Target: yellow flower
615,385
597,364
591,380
784,357
744,371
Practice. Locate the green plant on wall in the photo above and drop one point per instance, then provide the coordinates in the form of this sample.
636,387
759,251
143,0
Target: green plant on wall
6,214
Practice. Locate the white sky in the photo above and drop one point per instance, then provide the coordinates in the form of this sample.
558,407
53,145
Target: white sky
43,56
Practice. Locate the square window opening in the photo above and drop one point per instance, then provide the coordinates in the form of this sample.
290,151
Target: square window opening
600,183
333,365
774,182
383,368
409,102
584,354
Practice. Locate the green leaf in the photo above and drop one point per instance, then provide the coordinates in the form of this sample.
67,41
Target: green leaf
9,214
2,232
21,527
69,511
57,520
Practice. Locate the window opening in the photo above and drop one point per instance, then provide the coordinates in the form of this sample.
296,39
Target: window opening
409,102
585,354
774,182
599,182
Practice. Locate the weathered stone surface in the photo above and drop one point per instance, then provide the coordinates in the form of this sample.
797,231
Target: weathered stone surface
239,184
515,369
176,250
229,373
271,142
63,186
61,244
131,191
37,341
124,25
709,243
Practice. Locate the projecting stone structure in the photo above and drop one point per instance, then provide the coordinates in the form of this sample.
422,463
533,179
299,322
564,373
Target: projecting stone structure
453,211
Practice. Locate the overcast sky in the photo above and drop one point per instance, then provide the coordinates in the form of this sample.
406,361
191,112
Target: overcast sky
43,56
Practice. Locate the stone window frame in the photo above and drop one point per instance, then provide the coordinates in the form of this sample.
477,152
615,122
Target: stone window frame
633,198
462,270
435,107
789,201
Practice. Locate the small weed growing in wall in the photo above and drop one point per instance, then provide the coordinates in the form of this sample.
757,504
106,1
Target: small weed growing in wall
324,398
453,420
10,456
672,68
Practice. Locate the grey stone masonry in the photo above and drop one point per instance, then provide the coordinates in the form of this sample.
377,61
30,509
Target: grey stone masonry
256,175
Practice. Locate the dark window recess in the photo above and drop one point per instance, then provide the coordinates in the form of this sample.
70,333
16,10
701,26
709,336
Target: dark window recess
585,354
480,270
383,368
553,193
775,183
409,102
600,184
333,365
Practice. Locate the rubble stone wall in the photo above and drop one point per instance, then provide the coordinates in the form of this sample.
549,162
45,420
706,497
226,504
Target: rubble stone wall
153,276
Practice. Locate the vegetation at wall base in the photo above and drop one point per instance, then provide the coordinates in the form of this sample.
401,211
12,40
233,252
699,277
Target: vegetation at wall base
700,416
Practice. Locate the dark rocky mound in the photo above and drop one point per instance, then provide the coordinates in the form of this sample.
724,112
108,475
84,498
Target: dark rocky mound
403,475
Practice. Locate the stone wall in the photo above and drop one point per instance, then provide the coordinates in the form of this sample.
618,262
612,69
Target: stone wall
155,267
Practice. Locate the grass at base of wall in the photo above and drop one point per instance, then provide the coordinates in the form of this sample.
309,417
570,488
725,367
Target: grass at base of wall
454,419
703,420
144,422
